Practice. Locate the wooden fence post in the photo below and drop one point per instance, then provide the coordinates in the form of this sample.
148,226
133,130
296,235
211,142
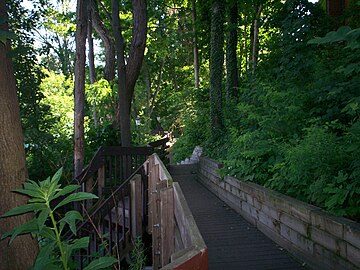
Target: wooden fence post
153,179
167,224
136,206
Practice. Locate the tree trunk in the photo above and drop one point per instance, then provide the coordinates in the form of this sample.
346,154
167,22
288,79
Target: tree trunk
137,47
245,49
232,81
128,74
79,93
123,105
196,50
109,45
91,54
22,252
216,67
255,46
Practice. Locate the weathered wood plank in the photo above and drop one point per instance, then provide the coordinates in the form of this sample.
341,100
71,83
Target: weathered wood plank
167,224
136,206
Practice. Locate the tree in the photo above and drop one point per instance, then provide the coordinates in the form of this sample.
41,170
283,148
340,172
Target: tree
22,252
107,40
232,81
196,49
79,94
216,66
128,72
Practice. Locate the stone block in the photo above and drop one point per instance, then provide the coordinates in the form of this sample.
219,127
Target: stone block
269,222
271,212
352,233
242,196
290,206
294,223
331,224
332,243
329,260
232,181
298,240
235,191
249,199
353,255
258,204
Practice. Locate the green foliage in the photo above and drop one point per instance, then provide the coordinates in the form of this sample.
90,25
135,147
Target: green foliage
55,251
295,126
137,255
195,130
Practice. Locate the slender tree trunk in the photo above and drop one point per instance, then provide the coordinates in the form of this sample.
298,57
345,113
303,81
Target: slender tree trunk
255,42
216,67
232,81
79,93
108,41
147,81
91,54
157,90
123,105
22,252
245,52
196,50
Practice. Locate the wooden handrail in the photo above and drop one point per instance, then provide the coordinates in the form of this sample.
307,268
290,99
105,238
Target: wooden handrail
119,176
169,212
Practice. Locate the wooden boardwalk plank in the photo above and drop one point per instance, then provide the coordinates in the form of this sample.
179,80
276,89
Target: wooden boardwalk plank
232,242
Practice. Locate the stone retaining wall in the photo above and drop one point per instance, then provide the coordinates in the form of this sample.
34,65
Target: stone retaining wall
321,240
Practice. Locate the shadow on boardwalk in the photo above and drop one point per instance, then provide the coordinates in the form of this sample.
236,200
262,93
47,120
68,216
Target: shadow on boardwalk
232,242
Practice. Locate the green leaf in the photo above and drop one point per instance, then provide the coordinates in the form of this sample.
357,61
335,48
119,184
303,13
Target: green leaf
57,176
22,209
28,227
48,233
30,193
79,196
66,190
70,218
42,218
101,263
45,259
75,244
80,243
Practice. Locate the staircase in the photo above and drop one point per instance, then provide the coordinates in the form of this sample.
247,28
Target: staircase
118,176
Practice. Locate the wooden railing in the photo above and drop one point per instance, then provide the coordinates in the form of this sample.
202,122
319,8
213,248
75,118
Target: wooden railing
110,167
132,200
177,242
117,221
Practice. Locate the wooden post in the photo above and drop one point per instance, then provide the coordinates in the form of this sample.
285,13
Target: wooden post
153,179
167,226
101,180
157,227
136,207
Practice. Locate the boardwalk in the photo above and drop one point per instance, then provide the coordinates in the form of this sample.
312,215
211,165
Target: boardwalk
232,242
